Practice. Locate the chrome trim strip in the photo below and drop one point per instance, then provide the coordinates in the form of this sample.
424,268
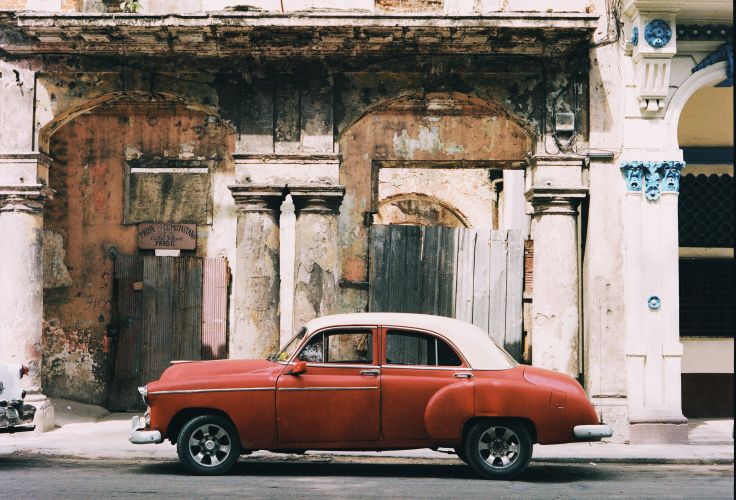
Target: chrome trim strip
327,388
338,365
423,367
229,389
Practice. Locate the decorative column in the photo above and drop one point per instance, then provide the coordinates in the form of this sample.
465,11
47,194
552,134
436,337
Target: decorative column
23,190
256,331
555,305
316,264
653,348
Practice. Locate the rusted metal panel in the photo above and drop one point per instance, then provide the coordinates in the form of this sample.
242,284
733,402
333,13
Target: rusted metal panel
126,328
216,279
158,304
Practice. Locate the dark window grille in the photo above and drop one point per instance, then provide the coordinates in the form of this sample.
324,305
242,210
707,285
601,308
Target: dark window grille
707,307
706,211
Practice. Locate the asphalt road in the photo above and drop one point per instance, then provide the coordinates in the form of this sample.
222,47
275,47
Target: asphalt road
35,476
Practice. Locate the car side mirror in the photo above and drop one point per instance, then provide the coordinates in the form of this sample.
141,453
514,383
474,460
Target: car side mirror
298,368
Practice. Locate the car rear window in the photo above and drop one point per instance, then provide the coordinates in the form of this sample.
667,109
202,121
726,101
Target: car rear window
419,349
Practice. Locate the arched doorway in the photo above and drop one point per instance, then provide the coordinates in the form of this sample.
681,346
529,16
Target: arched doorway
427,164
706,241
120,161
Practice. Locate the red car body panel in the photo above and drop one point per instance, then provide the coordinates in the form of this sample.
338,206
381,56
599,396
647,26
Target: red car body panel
342,407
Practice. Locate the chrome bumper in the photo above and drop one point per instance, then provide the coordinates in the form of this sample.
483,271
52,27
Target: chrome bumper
138,434
592,432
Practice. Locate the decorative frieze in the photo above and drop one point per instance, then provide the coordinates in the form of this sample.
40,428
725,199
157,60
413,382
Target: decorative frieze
24,198
705,33
654,177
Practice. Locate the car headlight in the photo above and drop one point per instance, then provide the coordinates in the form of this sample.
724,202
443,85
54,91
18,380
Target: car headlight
144,393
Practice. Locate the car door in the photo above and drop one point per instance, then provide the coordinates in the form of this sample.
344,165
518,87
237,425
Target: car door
337,400
416,366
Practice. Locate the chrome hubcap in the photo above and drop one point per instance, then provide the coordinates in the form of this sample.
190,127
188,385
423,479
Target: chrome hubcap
499,447
209,445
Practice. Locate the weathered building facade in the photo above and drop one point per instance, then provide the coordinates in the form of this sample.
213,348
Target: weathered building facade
279,134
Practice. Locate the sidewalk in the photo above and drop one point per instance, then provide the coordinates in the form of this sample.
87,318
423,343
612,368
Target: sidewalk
91,432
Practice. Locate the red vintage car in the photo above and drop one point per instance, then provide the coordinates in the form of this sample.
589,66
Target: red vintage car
368,381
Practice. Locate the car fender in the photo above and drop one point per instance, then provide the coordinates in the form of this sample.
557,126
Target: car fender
448,410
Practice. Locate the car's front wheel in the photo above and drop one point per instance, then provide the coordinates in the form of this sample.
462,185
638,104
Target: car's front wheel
498,449
208,445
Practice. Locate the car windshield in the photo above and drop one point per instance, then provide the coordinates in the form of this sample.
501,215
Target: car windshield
286,352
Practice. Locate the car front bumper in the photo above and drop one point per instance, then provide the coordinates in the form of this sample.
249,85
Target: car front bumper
592,432
139,434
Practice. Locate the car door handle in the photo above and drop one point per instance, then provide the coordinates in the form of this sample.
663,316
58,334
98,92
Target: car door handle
463,375
370,372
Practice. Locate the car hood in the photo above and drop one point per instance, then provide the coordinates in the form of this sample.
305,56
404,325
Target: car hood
198,373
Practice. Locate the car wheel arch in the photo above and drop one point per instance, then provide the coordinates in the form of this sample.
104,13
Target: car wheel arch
528,423
185,415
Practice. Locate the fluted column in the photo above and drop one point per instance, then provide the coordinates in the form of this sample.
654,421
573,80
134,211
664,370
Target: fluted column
316,265
256,331
23,191
653,348
555,306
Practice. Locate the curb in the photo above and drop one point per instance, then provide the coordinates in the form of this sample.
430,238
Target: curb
63,455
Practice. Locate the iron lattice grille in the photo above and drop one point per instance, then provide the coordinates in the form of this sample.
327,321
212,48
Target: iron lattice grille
706,211
707,306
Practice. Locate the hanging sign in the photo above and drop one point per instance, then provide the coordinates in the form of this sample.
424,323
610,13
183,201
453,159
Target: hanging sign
153,235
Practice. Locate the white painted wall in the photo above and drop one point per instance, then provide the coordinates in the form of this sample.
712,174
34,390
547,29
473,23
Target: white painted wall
707,355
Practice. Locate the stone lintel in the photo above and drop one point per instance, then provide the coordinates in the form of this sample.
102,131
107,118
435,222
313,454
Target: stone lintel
251,198
317,199
558,161
556,200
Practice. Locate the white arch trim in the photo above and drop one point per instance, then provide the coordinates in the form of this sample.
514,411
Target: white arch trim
715,73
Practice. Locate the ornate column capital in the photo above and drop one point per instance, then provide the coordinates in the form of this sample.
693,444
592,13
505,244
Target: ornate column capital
317,199
556,200
253,198
655,177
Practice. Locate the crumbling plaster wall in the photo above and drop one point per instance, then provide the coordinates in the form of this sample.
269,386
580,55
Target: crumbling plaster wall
87,214
320,124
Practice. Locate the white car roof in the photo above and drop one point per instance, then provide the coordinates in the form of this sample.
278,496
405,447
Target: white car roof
481,352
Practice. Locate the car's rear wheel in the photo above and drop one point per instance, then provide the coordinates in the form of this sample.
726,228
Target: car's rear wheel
498,449
460,452
208,445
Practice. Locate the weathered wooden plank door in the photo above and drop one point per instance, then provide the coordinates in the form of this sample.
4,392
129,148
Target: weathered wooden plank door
412,269
160,316
469,274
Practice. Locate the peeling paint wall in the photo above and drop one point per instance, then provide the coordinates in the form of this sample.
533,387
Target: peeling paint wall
87,217
317,125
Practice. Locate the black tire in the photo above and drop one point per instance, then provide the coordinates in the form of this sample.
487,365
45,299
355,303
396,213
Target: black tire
208,445
498,449
460,452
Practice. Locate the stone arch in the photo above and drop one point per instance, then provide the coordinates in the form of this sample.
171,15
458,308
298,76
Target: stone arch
443,103
61,119
452,131
95,148
419,210
706,76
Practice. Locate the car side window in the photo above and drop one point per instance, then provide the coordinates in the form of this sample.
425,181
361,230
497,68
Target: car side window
420,349
339,346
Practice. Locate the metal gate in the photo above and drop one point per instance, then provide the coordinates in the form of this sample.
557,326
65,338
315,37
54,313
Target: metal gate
473,275
165,308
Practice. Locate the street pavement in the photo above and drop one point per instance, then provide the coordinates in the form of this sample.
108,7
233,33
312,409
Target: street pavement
39,476
91,432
